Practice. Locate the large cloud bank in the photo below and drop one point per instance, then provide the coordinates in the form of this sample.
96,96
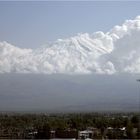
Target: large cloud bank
117,51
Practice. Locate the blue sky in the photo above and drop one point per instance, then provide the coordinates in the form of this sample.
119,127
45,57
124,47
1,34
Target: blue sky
32,24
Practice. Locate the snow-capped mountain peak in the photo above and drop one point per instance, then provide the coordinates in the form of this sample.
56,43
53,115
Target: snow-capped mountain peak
115,51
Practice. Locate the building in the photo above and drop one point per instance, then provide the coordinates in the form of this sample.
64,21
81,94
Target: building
85,134
64,134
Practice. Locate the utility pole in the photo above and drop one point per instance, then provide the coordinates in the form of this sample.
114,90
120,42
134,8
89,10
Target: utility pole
138,80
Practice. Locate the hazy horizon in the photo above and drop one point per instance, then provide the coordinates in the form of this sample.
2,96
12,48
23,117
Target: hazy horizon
69,93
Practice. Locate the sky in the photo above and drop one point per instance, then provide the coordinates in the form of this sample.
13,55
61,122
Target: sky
32,24
92,37
89,70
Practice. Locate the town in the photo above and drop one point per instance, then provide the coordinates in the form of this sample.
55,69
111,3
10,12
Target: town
70,126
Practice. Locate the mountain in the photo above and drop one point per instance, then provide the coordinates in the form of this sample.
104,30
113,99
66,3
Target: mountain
116,51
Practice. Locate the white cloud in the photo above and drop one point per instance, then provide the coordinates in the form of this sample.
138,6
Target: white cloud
115,51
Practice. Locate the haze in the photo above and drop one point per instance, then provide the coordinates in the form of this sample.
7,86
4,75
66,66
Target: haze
90,62
63,93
